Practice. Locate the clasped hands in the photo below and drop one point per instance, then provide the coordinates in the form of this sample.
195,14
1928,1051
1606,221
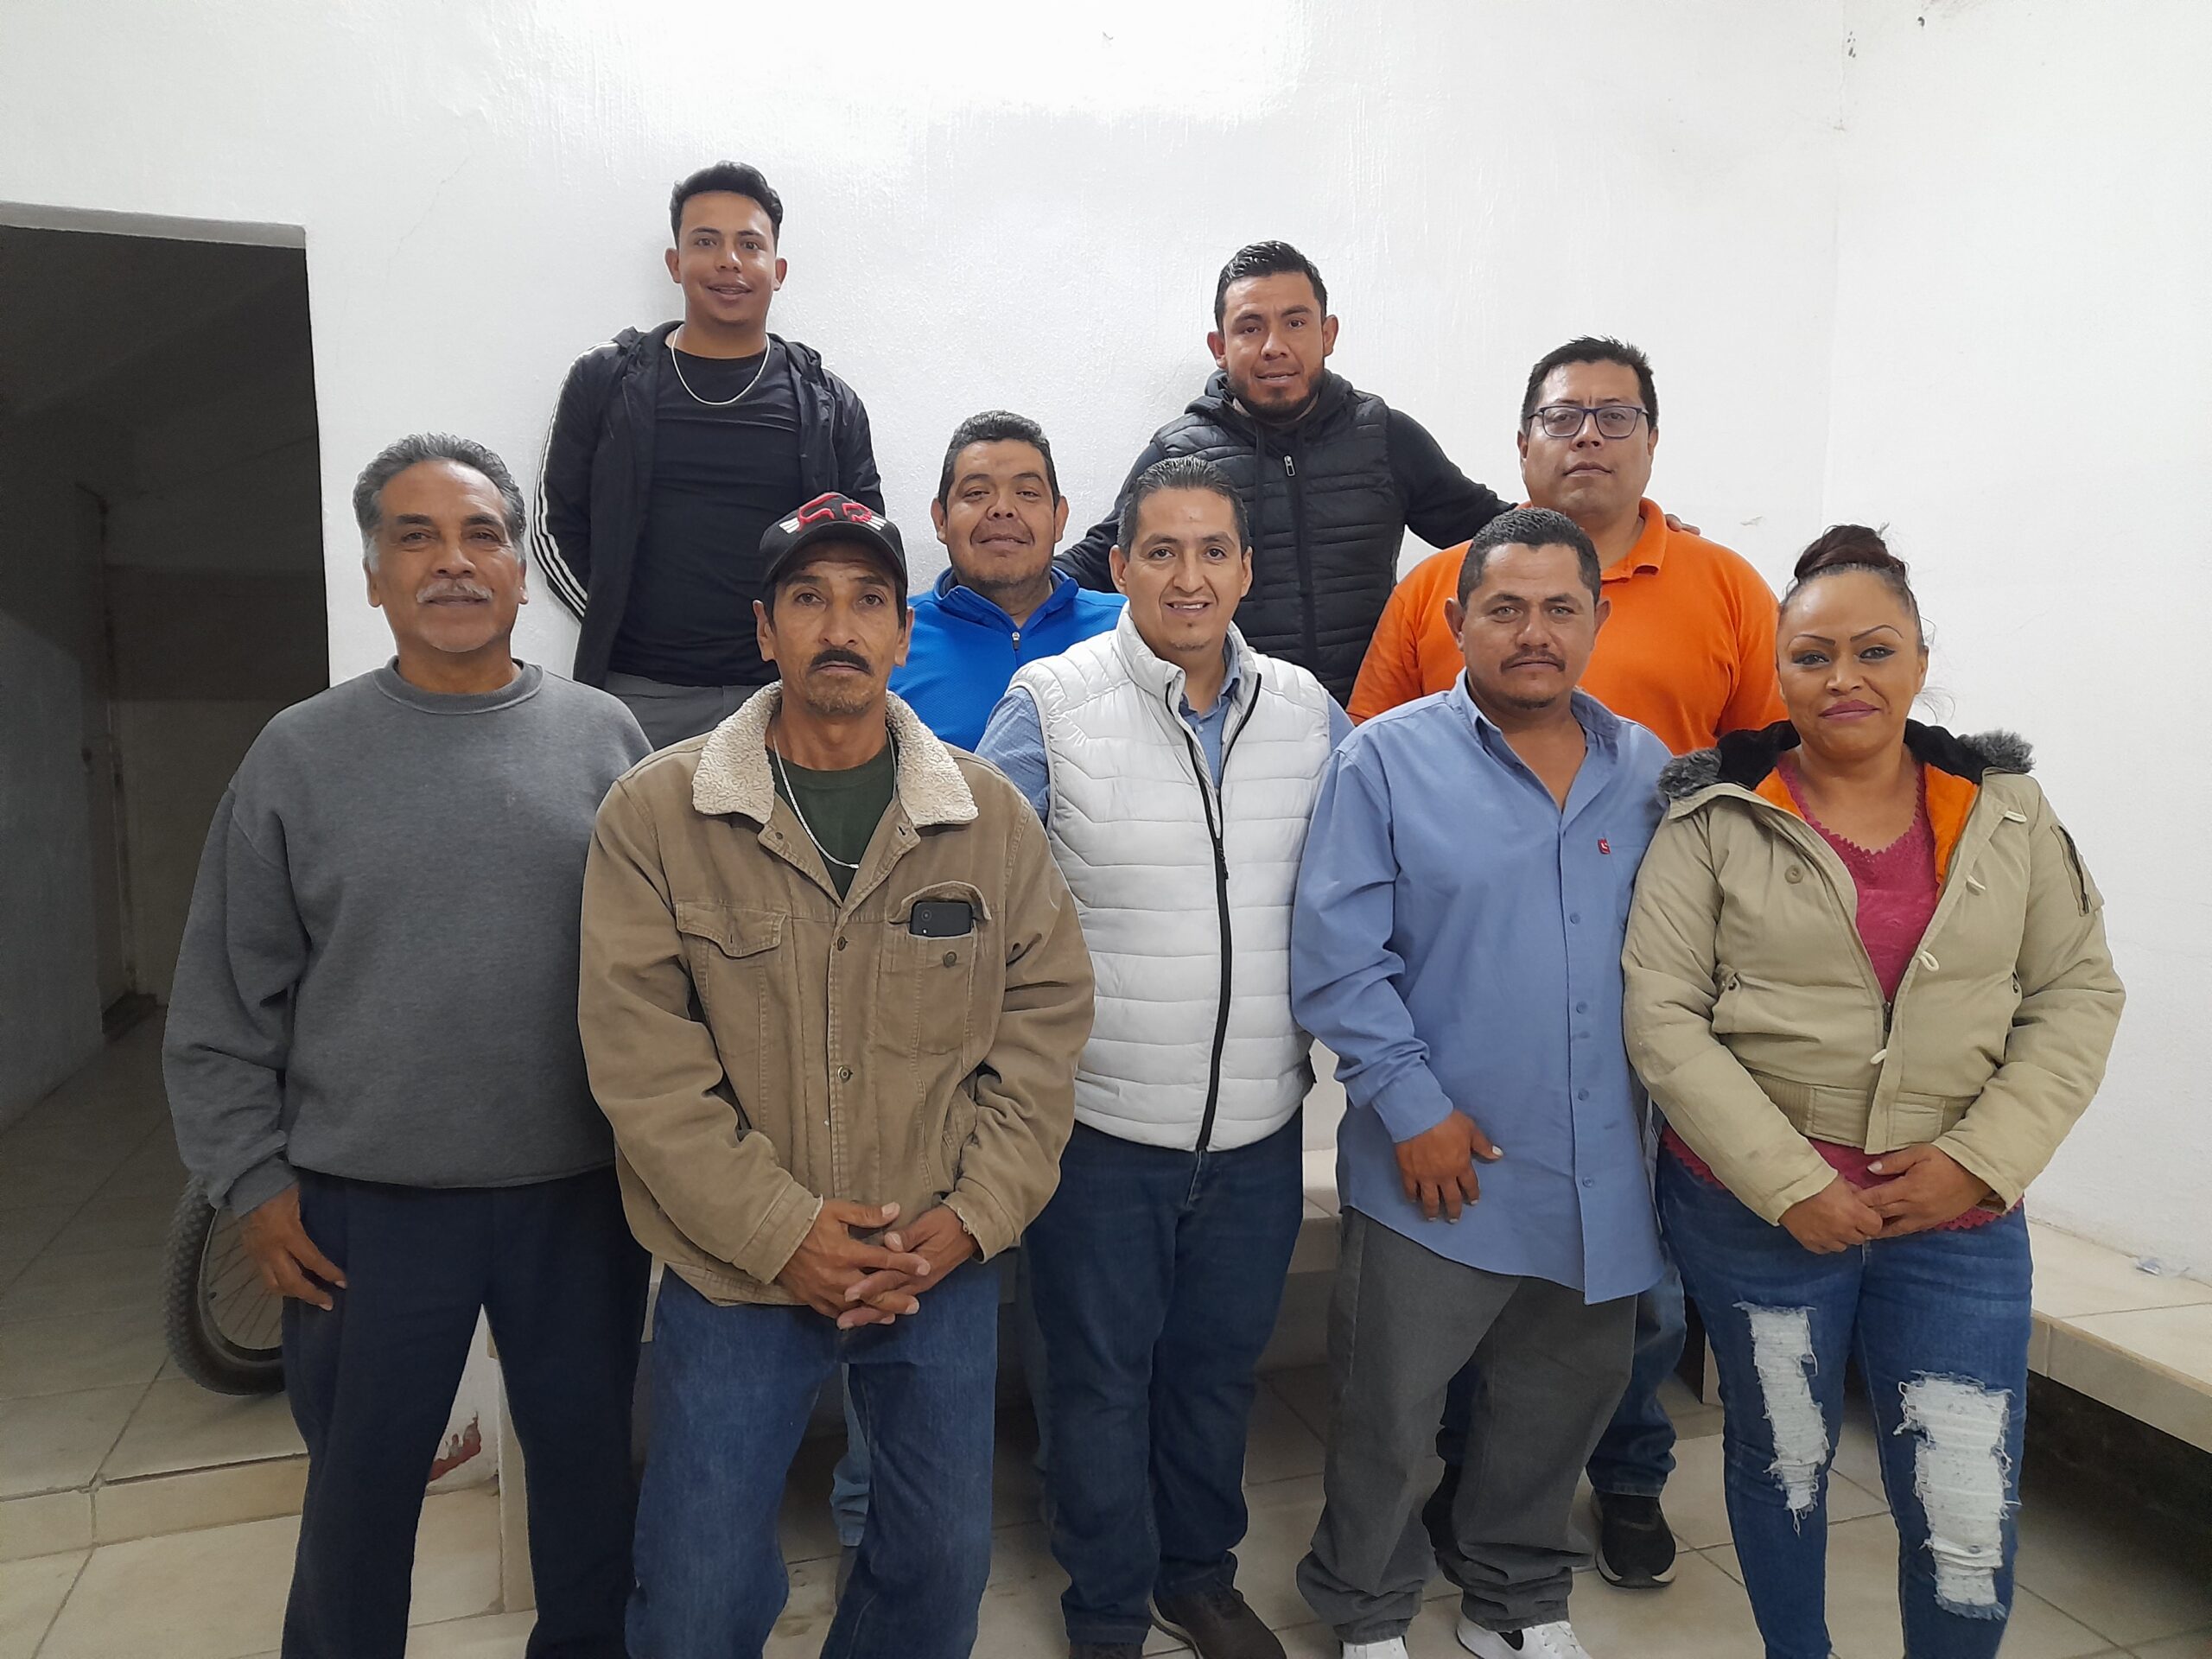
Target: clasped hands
846,1278
1927,1187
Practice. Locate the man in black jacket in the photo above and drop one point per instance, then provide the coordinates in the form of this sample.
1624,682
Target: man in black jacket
1331,477
672,450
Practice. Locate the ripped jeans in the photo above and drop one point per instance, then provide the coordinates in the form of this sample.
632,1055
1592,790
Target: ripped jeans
1939,1324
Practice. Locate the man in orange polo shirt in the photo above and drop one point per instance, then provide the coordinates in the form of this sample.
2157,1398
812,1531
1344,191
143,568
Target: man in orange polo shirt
1689,649
1688,652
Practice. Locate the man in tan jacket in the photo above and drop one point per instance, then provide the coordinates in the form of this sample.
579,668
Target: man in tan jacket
833,991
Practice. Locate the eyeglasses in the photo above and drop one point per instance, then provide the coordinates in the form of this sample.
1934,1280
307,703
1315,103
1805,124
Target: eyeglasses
1566,420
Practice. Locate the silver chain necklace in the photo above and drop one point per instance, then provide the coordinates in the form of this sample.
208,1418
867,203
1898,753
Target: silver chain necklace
675,362
791,799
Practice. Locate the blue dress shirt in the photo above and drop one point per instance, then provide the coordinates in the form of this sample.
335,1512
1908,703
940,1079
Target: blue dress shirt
1457,941
965,649
1015,740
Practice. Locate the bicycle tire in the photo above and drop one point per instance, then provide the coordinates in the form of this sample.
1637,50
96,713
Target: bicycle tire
219,1361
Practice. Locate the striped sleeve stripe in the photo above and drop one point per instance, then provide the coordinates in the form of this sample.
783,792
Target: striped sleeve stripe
566,587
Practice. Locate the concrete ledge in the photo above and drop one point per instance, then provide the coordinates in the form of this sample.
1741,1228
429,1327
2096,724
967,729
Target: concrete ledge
2138,1342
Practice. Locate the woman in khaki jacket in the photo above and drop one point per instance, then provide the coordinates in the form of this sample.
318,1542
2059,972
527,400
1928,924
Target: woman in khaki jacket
1867,984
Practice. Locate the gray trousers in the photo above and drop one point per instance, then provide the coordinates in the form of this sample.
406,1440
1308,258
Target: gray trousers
1402,1320
670,714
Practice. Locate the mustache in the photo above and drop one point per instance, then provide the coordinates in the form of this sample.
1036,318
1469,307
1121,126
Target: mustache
1544,657
835,657
429,592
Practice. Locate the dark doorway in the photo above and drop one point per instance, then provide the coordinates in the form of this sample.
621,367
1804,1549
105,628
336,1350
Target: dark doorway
161,596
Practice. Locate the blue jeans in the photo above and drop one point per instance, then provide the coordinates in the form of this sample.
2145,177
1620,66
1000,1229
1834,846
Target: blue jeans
1939,1324
732,1390
1637,1452
1158,1274
848,1482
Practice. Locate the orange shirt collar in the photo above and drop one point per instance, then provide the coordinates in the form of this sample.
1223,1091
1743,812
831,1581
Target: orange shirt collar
1650,553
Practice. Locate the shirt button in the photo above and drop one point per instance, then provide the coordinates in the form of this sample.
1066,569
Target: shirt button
1582,1007
1574,916
953,958
844,1074
1589,1180
1795,873
1582,1094
841,940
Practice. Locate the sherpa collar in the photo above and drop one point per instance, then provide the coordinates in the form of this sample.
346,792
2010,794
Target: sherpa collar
733,774
1745,758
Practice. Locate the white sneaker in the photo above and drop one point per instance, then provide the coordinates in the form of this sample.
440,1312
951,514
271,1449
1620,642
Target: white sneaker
1393,1649
1537,1642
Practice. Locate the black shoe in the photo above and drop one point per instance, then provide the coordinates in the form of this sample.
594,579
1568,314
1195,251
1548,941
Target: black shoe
1105,1650
1436,1514
1636,1547
1217,1624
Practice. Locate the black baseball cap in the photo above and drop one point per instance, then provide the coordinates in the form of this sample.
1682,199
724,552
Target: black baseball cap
832,518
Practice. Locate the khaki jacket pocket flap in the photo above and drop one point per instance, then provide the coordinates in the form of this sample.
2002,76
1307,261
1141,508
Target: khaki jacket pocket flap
733,931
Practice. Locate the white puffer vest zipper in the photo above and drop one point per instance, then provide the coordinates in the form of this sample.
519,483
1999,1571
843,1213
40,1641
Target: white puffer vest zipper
1184,891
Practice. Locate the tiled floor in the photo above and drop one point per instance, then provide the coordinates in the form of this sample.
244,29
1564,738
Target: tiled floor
100,1441
140,1516
2094,1579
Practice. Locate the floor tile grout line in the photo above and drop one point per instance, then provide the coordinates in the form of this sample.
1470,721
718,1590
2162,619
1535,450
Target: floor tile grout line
75,1578
1319,1431
81,1206
100,1468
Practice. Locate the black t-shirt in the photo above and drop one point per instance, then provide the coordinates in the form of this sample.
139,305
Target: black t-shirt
722,475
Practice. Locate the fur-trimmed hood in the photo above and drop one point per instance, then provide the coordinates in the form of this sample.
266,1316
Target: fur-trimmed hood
1745,758
733,774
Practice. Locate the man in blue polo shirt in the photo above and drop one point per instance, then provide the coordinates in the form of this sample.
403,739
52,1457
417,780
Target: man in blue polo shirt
1457,941
999,514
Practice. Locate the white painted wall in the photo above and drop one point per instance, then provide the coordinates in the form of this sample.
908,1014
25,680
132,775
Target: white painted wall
2023,344
1012,204
1025,204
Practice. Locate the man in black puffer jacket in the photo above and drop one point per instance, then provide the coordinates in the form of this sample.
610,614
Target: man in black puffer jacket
1332,477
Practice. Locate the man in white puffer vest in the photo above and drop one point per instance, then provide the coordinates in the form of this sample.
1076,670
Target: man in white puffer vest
1175,770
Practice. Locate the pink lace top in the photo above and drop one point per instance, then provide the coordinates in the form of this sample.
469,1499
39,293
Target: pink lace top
1898,891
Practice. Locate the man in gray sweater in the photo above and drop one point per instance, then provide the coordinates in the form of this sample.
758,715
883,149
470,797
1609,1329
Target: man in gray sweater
372,1059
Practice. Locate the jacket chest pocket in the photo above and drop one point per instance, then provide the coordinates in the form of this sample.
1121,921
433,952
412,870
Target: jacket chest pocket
737,968
928,973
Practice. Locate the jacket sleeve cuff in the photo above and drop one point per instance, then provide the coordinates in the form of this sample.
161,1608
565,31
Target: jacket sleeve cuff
1771,1205
1963,1152
987,1223
780,1233
259,1185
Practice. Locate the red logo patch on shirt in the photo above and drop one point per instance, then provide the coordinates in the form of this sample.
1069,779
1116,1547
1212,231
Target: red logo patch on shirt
1604,845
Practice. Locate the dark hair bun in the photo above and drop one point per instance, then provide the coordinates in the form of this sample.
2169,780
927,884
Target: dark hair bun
1847,545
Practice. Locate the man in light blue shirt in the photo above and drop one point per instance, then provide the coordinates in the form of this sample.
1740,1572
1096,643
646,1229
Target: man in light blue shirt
1457,941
